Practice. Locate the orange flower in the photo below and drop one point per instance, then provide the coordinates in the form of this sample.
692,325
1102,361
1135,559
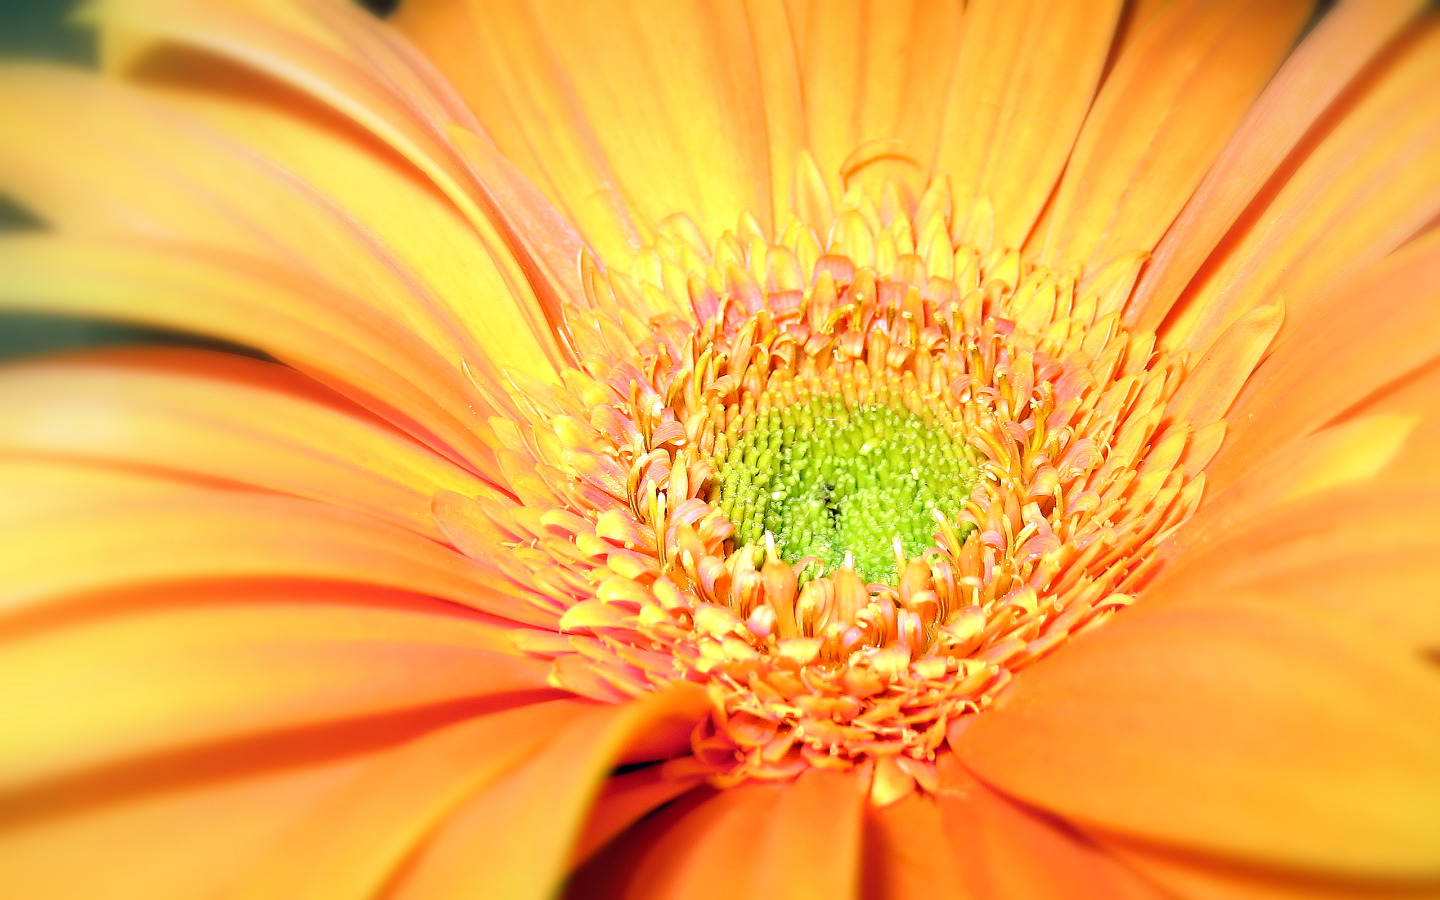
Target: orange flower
727,449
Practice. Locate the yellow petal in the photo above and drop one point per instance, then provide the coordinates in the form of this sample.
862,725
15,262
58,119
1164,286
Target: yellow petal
111,688
224,417
620,134
1345,41
1023,82
114,543
1171,101
1231,727
297,319
187,841
515,837
1370,184
1369,332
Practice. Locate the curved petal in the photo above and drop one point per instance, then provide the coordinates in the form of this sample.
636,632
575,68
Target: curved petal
175,844
351,845
797,840
1231,727
1020,64
334,52
225,666
1366,553
1204,878
1174,97
1325,64
295,318
1005,851
528,821
909,856
1369,185
1373,330
119,542
224,417
869,111
622,134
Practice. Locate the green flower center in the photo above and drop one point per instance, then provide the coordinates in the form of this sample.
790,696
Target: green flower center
825,479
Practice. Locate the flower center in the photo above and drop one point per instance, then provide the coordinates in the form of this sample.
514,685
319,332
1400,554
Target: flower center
851,490
825,480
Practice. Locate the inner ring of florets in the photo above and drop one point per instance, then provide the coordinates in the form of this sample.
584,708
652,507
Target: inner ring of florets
1065,471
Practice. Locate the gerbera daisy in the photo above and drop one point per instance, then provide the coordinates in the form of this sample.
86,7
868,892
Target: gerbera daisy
727,449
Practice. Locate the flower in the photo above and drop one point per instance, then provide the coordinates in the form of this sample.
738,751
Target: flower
727,450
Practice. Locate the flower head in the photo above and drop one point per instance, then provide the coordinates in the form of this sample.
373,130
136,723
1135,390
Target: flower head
727,449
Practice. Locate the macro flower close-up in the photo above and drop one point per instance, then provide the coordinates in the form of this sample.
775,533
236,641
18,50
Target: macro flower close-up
669,449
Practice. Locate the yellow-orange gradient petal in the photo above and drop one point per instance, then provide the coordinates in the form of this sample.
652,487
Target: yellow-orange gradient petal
1322,67
218,664
224,417
1023,81
174,841
1172,100
1235,727
529,821
798,840
621,134
1004,850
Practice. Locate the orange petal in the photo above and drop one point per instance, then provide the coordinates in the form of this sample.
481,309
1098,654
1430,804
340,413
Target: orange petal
870,108
1003,850
1323,66
514,838
1230,727
1202,878
179,844
1366,553
1375,329
208,534
908,855
757,840
295,318
351,846
224,417
621,132
116,687
466,275
1174,97
1022,85
1369,185
625,800
333,52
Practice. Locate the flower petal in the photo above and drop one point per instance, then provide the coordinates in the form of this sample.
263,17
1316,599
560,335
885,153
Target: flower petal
1326,63
1369,185
175,844
909,856
114,543
621,134
1174,97
1004,851
1231,727
224,417
1377,328
1206,878
230,663
798,840
1365,553
1023,82
296,318
351,846
527,823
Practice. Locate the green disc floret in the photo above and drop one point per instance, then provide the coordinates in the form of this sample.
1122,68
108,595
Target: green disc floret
825,479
